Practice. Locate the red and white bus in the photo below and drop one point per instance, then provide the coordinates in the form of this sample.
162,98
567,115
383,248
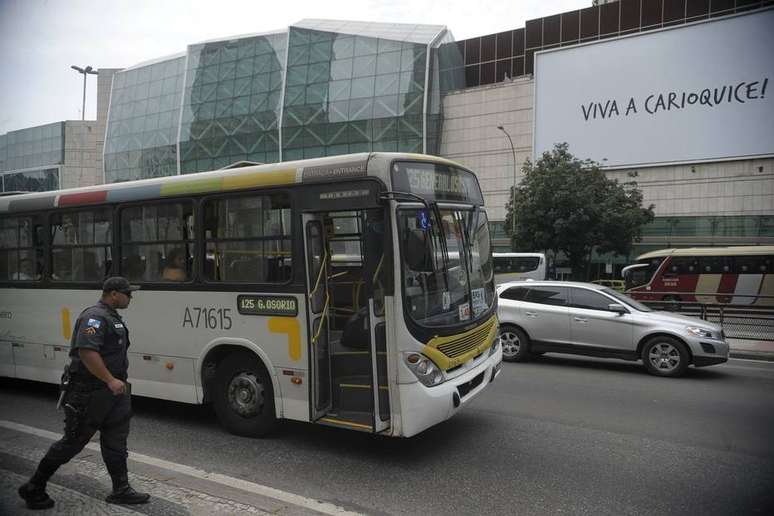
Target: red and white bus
742,275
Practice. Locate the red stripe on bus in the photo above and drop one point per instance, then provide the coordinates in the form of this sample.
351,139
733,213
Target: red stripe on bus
727,286
82,198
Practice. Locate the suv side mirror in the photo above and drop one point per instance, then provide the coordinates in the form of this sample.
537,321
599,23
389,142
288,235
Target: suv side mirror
619,309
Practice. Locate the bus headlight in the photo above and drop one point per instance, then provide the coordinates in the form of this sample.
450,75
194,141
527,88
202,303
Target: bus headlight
494,346
424,369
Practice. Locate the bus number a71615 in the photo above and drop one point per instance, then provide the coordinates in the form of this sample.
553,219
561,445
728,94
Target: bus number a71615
209,318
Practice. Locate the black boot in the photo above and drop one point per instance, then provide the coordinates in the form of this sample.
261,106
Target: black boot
35,495
124,494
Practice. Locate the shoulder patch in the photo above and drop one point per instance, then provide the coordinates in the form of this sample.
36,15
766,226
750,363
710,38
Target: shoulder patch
94,323
118,325
90,331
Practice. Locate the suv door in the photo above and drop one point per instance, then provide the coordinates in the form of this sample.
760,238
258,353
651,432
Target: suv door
546,317
594,326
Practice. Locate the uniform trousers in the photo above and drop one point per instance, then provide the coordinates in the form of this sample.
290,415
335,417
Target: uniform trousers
89,408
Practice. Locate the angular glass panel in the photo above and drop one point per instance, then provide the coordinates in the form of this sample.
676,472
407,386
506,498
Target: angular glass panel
318,72
389,62
338,111
386,106
362,87
341,69
360,109
316,93
343,47
339,90
365,46
297,75
387,84
364,66
388,45
320,52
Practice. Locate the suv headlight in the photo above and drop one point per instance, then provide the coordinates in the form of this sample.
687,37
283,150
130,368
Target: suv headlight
423,368
700,332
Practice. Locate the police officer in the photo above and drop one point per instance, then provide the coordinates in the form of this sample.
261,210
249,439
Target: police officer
96,398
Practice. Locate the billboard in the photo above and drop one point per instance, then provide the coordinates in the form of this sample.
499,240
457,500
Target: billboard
694,93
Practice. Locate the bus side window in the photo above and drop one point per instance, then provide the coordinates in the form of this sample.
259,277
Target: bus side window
711,264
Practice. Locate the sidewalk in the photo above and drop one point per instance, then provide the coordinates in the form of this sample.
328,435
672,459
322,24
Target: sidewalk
751,349
80,486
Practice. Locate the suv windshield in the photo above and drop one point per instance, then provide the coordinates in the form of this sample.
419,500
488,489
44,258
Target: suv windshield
446,265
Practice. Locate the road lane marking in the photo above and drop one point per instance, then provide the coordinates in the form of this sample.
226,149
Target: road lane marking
225,480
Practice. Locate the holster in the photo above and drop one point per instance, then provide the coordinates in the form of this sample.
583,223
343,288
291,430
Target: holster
64,384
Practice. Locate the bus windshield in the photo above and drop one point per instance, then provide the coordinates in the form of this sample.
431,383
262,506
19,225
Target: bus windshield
640,273
447,265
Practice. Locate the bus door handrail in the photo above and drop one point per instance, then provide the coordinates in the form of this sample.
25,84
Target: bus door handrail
324,319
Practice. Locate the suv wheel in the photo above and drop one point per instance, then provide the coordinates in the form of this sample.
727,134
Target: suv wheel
665,356
515,343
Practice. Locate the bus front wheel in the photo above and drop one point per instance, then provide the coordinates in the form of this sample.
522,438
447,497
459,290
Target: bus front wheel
244,397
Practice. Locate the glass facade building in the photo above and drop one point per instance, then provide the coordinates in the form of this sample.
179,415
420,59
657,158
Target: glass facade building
319,88
31,159
141,136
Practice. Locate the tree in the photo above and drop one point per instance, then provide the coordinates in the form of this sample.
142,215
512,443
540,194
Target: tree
569,205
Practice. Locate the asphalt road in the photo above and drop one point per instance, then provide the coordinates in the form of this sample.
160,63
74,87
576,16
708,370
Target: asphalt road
569,435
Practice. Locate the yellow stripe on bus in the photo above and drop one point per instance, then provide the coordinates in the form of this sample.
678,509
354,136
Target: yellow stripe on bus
67,329
345,423
192,186
277,177
290,327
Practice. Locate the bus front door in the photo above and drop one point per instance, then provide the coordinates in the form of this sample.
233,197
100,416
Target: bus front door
318,306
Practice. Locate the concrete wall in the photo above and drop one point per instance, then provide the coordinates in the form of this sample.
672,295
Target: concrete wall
80,165
470,136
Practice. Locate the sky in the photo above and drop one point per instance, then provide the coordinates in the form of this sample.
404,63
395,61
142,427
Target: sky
41,39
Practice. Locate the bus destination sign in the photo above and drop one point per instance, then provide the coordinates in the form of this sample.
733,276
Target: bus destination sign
267,305
436,182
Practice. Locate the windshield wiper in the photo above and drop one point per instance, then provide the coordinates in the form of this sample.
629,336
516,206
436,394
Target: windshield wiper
442,241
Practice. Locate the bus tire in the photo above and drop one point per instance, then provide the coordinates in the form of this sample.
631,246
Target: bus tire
665,356
674,302
515,343
244,396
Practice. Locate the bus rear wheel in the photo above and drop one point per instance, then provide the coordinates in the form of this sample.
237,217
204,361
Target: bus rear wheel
244,397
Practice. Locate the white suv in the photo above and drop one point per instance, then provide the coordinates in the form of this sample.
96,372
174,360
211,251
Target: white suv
587,319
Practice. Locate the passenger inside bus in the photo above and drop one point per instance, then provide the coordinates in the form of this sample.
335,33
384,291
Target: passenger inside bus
175,266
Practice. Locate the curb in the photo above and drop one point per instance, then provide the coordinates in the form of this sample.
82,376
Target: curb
752,355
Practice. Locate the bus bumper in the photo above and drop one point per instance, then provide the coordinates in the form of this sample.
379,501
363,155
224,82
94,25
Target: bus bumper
423,407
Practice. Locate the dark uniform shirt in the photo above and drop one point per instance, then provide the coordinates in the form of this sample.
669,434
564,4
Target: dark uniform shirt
100,328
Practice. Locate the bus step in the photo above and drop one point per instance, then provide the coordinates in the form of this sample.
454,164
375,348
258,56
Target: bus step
350,419
354,393
351,363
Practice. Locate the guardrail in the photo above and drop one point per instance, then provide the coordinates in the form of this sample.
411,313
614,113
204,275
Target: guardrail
747,321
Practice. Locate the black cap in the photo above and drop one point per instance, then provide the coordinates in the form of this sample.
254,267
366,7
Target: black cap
118,283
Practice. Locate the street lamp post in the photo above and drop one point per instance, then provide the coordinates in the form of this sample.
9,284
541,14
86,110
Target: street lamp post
513,194
84,71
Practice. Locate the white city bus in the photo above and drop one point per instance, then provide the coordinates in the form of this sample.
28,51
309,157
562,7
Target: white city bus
519,266
353,291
